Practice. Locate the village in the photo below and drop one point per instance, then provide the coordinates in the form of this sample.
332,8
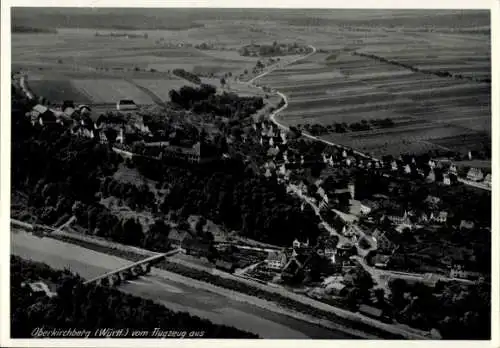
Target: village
359,234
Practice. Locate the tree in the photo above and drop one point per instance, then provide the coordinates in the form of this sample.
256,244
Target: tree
398,288
132,232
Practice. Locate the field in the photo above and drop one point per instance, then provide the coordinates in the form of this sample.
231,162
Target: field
429,112
75,64
333,85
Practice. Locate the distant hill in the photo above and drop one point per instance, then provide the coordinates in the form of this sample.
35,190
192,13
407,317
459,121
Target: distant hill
22,29
184,18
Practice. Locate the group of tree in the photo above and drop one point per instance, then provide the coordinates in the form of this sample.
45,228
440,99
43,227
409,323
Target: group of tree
439,73
342,127
187,76
464,311
204,100
89,307
236,198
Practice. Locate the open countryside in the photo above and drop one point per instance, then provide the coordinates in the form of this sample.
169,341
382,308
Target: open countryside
321,174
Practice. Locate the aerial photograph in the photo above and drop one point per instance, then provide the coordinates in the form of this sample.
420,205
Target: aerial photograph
197,173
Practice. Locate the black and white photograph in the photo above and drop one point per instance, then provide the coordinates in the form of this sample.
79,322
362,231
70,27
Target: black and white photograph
249,173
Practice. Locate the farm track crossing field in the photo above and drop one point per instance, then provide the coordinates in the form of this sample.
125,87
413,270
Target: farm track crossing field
58,91
112,90
162,87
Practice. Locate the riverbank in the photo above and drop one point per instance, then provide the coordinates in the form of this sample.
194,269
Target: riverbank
351,323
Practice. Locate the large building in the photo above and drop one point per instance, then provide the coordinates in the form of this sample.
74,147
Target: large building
192,154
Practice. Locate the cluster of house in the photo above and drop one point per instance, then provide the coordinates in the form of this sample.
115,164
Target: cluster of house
290,261
81,121
477,175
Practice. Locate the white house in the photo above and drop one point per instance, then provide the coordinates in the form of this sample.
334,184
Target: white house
475,174
276,260
446,180
394,166
407,169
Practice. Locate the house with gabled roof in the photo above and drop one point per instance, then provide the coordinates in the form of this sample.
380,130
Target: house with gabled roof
475,174
276,260
440,217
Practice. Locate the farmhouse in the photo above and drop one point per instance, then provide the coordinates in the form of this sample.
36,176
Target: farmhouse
276,260
475,174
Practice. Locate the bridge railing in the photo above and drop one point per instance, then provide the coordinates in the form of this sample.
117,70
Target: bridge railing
132,265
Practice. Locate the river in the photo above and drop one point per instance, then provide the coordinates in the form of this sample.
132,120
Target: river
173,294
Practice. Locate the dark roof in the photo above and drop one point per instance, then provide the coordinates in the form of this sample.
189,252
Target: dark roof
126,102
195,244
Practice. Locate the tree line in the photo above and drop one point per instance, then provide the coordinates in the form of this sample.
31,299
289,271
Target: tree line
235,198
343,127
186,75
205,100
438,73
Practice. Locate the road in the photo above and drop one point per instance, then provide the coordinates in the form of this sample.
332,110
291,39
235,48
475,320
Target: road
171,290
285,105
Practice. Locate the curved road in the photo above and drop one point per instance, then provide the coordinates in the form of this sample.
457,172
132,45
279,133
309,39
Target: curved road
285,105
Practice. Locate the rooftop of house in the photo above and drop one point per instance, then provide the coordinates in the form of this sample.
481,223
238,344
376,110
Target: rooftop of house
196,244
474,171
40,108
275,256
335,286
